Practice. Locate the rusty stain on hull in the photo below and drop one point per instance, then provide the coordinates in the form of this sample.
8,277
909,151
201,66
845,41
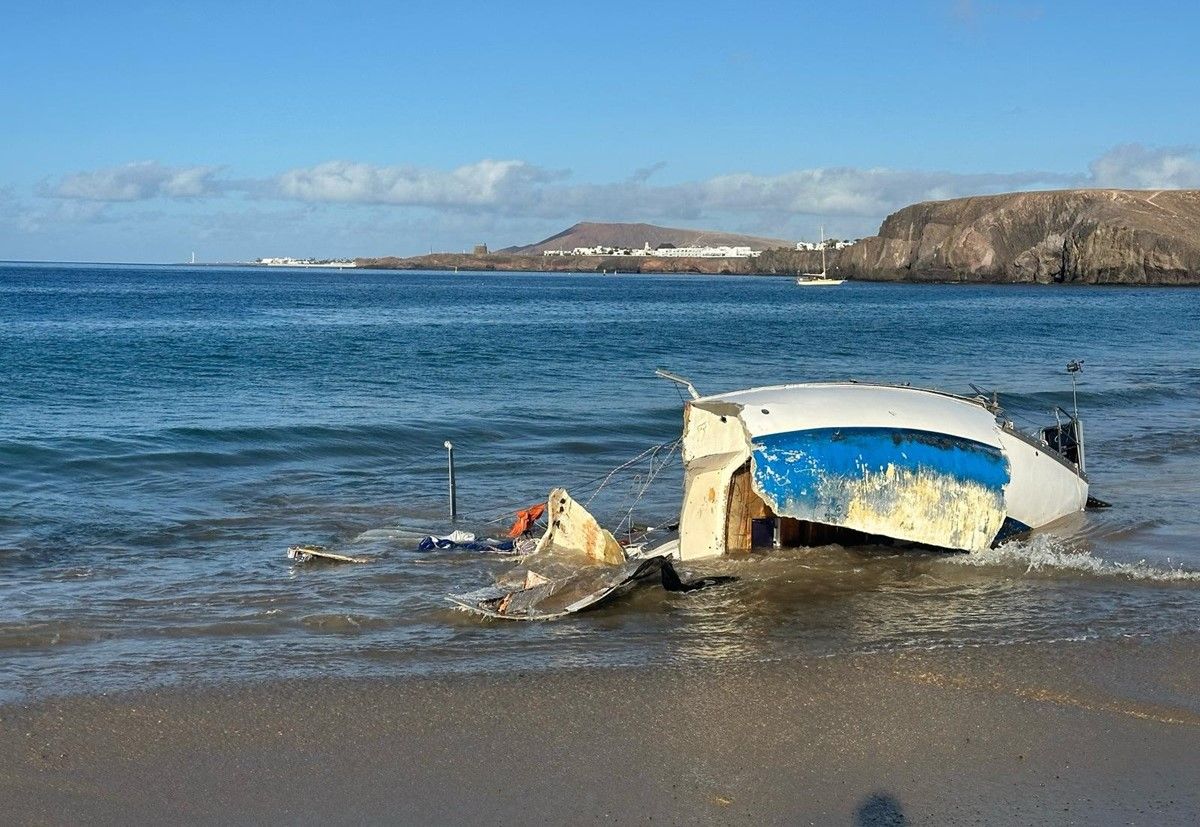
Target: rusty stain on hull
918,506
915,486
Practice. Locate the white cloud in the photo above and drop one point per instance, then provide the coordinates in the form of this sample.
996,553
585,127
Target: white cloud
515,192
137,181
487,183
1135,166
518,188
831,191
36,218
847,191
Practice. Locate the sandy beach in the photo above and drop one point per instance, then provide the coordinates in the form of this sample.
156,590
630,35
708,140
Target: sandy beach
1066,733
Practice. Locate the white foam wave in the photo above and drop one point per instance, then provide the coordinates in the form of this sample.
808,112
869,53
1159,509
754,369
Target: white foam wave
1046,553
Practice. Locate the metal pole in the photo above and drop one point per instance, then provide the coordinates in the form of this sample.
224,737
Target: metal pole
1075,367
453,486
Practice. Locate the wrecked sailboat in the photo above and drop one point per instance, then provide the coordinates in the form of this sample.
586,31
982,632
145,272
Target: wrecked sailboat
853,463
576,565
814,464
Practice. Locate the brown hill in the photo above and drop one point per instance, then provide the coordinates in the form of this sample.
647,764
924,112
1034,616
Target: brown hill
1088,236
593,234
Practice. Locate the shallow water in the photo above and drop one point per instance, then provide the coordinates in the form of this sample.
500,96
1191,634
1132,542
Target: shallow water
165,434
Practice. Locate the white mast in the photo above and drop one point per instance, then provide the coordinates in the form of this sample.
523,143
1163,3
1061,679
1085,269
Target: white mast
821,278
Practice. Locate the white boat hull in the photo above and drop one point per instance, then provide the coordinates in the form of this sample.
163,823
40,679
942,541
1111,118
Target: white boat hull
891,462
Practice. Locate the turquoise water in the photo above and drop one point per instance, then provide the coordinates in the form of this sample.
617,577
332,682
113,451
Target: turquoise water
166,433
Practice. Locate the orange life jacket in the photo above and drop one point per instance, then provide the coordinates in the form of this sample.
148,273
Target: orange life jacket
526,518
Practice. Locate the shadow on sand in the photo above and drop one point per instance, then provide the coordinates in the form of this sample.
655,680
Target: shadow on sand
880,810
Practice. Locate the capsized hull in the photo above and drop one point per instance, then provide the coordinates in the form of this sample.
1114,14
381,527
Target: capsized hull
896,462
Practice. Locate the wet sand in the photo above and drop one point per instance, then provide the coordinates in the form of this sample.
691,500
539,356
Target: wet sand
1069,733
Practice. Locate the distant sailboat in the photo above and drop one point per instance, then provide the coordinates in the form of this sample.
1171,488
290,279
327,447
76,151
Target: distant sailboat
193,256
818,279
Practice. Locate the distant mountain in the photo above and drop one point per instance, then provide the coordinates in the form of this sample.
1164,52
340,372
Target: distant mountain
594,233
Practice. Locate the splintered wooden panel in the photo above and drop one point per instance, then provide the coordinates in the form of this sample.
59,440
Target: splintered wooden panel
802,533
791,532
745,506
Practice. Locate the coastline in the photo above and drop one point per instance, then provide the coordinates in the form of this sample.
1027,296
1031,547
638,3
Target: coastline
499,262
468,264
785,264
1096,732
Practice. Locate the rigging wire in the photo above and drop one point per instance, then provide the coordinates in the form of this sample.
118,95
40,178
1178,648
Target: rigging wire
651,451
651,475
500,514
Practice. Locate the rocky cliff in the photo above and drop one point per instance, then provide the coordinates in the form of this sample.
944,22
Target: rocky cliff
1085,236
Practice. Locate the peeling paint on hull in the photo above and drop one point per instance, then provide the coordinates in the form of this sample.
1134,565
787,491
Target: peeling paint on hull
906,484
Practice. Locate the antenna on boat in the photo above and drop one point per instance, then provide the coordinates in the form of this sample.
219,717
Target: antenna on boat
679,380
1074,368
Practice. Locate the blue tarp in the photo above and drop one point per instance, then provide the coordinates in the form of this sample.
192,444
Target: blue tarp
431,543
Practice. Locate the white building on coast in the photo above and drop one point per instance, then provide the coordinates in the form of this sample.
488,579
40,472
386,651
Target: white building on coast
304,262
663,251
707,252
830,244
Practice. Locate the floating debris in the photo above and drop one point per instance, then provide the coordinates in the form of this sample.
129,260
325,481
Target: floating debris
320,554
468,541
576,565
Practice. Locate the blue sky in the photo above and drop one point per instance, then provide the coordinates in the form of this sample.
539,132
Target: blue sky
143,131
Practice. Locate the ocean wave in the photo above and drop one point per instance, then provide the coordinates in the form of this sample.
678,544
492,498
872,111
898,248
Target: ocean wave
344,624
1047,554
1148,445
1104,396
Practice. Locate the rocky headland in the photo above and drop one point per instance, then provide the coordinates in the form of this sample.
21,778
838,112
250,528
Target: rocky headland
1072,236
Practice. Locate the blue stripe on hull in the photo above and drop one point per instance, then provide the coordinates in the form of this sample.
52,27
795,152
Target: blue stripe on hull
941,489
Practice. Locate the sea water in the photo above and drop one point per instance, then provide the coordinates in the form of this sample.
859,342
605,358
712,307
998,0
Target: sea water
167,432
